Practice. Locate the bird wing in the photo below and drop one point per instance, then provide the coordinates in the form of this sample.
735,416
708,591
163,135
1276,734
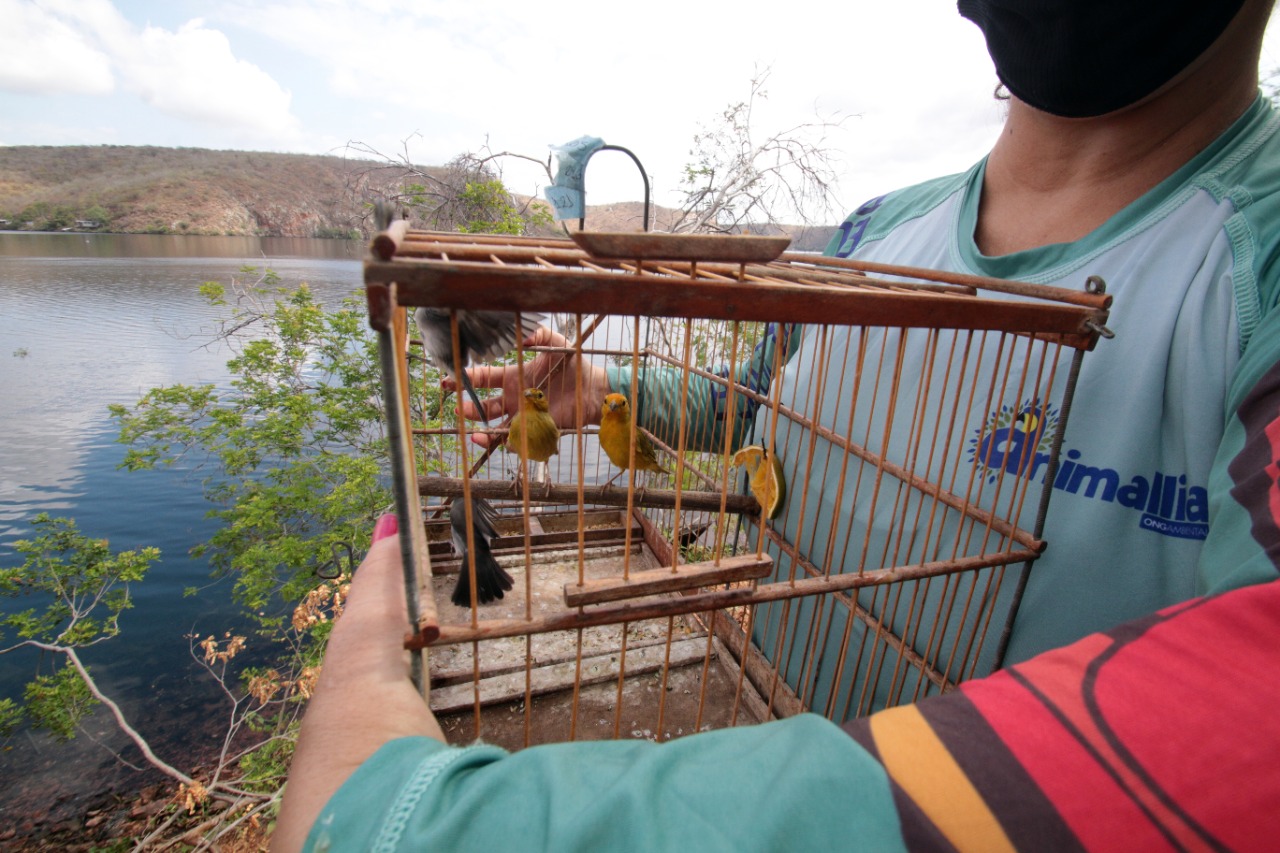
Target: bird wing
489,334
484,515
437,340
433,326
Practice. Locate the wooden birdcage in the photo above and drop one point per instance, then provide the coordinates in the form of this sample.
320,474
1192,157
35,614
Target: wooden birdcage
915,416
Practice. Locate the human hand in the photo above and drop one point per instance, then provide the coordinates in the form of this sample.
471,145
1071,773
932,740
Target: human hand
560,389
368,639
363,698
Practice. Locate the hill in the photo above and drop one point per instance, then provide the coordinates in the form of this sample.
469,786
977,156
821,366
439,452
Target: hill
146,189
132,189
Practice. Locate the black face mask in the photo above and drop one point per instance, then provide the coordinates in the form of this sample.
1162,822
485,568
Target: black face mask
1080,58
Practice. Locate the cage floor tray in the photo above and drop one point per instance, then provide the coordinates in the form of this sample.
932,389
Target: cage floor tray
560,658
552,715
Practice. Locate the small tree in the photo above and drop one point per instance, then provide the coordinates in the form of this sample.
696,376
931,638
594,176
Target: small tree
97,213
293,455
294,450
739,181
467,194
81,588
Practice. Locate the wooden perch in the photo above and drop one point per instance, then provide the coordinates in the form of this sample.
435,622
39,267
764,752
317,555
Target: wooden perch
654,581
549,532
567,493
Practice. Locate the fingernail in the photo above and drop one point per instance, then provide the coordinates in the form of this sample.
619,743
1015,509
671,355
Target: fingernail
388,525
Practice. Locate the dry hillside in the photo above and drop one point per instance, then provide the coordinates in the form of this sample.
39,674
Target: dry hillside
180,190
145,189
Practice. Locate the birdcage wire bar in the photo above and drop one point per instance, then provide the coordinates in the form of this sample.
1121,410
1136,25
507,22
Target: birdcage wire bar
840,617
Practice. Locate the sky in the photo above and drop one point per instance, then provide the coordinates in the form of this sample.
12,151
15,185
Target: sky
907,86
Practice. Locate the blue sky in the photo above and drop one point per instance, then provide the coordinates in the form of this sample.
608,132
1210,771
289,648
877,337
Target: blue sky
435,78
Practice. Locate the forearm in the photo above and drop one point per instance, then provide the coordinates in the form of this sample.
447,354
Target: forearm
363,699
662,400
704,409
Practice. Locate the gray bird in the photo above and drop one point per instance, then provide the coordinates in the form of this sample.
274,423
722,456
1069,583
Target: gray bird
481,335
491,579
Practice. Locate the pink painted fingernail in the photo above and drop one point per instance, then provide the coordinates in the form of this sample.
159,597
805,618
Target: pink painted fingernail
388,525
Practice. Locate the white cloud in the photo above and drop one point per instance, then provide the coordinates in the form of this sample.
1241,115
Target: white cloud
84,46
43,55
193,74
521,77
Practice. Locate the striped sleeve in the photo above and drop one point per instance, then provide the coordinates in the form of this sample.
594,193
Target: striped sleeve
1243,545
1161,734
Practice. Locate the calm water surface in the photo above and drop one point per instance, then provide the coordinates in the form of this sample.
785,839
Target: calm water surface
86,321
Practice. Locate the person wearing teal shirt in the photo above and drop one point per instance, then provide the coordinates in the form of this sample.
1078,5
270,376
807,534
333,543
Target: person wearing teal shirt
1173,196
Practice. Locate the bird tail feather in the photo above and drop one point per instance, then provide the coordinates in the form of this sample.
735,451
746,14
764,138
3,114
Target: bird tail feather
492,581
475,398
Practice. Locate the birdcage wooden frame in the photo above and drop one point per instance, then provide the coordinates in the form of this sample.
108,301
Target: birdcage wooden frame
732,281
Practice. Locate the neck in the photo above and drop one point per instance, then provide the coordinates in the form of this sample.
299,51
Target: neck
1054,180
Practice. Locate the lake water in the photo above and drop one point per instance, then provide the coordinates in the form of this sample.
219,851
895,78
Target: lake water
86,321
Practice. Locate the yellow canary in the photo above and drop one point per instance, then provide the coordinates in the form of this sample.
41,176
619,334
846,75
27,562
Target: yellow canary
766,477
615,437
534,423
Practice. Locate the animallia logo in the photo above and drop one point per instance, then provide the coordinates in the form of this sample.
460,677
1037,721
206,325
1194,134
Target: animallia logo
1016,440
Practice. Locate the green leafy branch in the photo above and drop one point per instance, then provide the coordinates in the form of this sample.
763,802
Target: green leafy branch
81,587
85,588
292,451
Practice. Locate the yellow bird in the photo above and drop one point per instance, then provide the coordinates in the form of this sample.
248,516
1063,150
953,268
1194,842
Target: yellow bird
765,476
615,438
534,424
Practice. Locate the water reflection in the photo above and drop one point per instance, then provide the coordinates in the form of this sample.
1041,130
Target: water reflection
77,335
23,244
86,321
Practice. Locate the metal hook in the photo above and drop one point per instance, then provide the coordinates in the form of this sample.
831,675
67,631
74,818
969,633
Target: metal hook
1102,331
643,176
333,569
1095,284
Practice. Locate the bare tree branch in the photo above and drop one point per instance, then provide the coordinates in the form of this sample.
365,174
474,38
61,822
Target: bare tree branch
138,740
467,193
736,183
